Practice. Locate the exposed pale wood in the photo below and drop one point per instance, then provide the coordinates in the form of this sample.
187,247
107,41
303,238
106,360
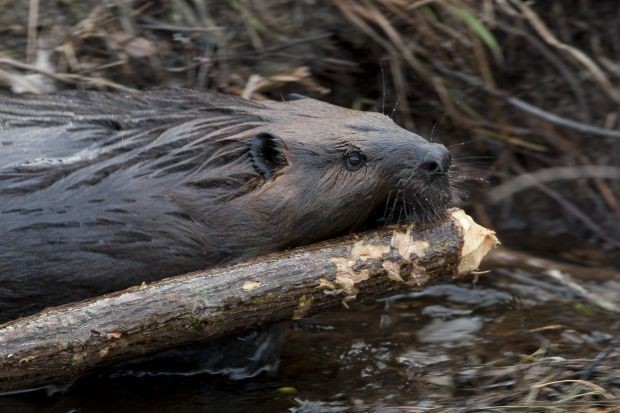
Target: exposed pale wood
59,344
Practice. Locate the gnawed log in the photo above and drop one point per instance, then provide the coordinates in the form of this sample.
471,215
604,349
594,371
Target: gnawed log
60,344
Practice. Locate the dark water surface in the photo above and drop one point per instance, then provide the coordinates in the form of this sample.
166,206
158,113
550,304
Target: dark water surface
513,342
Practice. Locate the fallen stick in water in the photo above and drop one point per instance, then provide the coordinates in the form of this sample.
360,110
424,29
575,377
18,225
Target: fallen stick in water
59,344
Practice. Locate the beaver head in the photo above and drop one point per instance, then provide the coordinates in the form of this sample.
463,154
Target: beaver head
321,170
119,189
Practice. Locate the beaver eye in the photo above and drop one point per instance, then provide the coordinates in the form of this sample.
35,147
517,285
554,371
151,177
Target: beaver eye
354,160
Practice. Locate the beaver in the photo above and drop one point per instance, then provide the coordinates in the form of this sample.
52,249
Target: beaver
102,191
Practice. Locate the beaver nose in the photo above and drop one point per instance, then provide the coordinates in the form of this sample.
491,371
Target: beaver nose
436,161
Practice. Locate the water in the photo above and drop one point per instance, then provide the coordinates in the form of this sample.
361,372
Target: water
515,339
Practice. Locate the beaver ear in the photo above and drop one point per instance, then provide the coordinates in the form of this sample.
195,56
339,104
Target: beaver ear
267,154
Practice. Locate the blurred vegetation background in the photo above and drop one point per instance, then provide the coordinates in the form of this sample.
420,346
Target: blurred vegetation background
526,94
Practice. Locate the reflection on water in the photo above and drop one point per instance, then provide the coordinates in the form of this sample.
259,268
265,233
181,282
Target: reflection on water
513,340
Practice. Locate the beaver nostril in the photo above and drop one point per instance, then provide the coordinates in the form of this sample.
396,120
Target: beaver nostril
431,167
437,161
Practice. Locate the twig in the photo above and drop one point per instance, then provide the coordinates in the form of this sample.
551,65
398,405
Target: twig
506,257
558,120
584,108
574,210
33,18
172,28
593,298
67,77
544,32
531,179
526,107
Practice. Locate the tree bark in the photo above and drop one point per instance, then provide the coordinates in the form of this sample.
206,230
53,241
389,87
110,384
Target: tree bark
59,344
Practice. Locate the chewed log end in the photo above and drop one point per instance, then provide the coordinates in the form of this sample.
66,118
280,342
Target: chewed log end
477,242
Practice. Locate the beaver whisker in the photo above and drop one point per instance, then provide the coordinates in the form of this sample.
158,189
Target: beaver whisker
387,202
462,143
405,210
399,220
462,158
391,216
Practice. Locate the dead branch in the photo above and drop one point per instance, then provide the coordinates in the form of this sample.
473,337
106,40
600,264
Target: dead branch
62,343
